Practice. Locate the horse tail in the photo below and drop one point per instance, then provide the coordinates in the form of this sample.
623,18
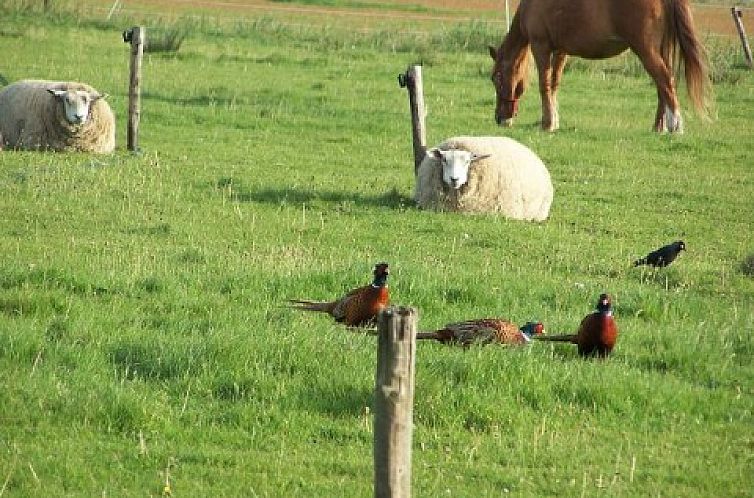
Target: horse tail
680,47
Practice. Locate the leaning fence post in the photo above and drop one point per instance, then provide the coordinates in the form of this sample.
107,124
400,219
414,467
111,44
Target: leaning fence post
136,36
412,81
737,15
394,402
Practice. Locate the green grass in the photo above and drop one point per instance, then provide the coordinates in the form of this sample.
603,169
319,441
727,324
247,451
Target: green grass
142,332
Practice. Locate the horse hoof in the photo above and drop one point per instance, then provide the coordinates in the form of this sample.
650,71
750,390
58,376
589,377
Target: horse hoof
507,122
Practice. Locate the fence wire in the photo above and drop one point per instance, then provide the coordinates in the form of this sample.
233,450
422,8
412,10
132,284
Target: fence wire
118,8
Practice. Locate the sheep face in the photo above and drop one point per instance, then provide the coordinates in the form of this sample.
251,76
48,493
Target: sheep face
76,104
455,165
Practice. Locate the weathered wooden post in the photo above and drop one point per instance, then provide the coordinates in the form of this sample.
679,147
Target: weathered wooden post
737,15
136,36
412,80
394,402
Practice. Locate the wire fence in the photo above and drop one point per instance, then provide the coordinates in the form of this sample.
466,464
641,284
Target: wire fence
119,8
715,19
119,12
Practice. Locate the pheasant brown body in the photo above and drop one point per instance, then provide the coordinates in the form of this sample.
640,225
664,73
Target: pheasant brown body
597,333
483,331
360,306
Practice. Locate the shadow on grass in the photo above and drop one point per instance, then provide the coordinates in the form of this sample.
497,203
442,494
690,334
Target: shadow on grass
216,98
158,229
392,199
747,266
50,278
667,278
336,400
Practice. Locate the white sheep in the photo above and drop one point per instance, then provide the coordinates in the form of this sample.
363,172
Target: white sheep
40,115
484,175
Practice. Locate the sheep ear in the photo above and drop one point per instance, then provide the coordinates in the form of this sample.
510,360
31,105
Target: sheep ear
435,153
95,96
56,93
477,157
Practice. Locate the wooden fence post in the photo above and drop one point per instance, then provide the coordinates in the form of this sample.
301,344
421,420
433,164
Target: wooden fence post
412,80
136,36
737,15
394,402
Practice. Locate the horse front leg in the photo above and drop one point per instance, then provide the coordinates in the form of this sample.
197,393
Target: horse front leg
559,60
543,58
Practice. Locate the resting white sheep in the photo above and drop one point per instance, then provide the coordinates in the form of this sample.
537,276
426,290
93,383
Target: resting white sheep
36,114
484,175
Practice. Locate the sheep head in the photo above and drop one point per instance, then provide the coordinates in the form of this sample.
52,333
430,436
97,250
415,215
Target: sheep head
455,165
76,103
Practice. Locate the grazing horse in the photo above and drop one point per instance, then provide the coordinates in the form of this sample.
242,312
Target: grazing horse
657,31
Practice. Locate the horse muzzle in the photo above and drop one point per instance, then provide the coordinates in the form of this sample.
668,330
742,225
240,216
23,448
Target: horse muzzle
503,120
507,122
506,112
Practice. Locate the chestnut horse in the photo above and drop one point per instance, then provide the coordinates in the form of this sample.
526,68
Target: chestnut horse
658,31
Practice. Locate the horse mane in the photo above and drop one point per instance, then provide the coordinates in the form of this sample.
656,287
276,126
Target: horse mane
517,45
680,49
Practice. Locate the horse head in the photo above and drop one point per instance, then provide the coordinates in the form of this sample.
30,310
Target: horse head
508,76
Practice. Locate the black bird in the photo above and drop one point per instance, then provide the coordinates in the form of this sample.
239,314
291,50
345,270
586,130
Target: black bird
662,256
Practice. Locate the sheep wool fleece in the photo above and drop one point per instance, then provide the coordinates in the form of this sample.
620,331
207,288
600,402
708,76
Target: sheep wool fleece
512,181
31,118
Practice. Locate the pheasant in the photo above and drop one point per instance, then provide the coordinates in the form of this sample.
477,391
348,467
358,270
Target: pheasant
358,307
484,331
662,256
597,333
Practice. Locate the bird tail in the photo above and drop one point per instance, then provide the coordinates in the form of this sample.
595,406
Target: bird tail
419,335
427,335
325,307
557,338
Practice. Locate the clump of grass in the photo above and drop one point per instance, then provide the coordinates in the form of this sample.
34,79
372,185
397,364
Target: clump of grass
53,10
166,40
471,36
725,60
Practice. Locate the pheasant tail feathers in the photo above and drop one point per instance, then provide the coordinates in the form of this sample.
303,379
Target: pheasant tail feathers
557,338
312,305
427,335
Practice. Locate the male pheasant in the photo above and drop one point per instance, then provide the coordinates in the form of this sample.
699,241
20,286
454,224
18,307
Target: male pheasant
484,331
597,333
662,256
360,306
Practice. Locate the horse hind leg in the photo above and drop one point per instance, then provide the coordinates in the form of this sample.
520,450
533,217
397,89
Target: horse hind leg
558,64
668,116
673,119
660,115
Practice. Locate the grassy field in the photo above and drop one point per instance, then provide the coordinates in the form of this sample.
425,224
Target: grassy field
143,337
